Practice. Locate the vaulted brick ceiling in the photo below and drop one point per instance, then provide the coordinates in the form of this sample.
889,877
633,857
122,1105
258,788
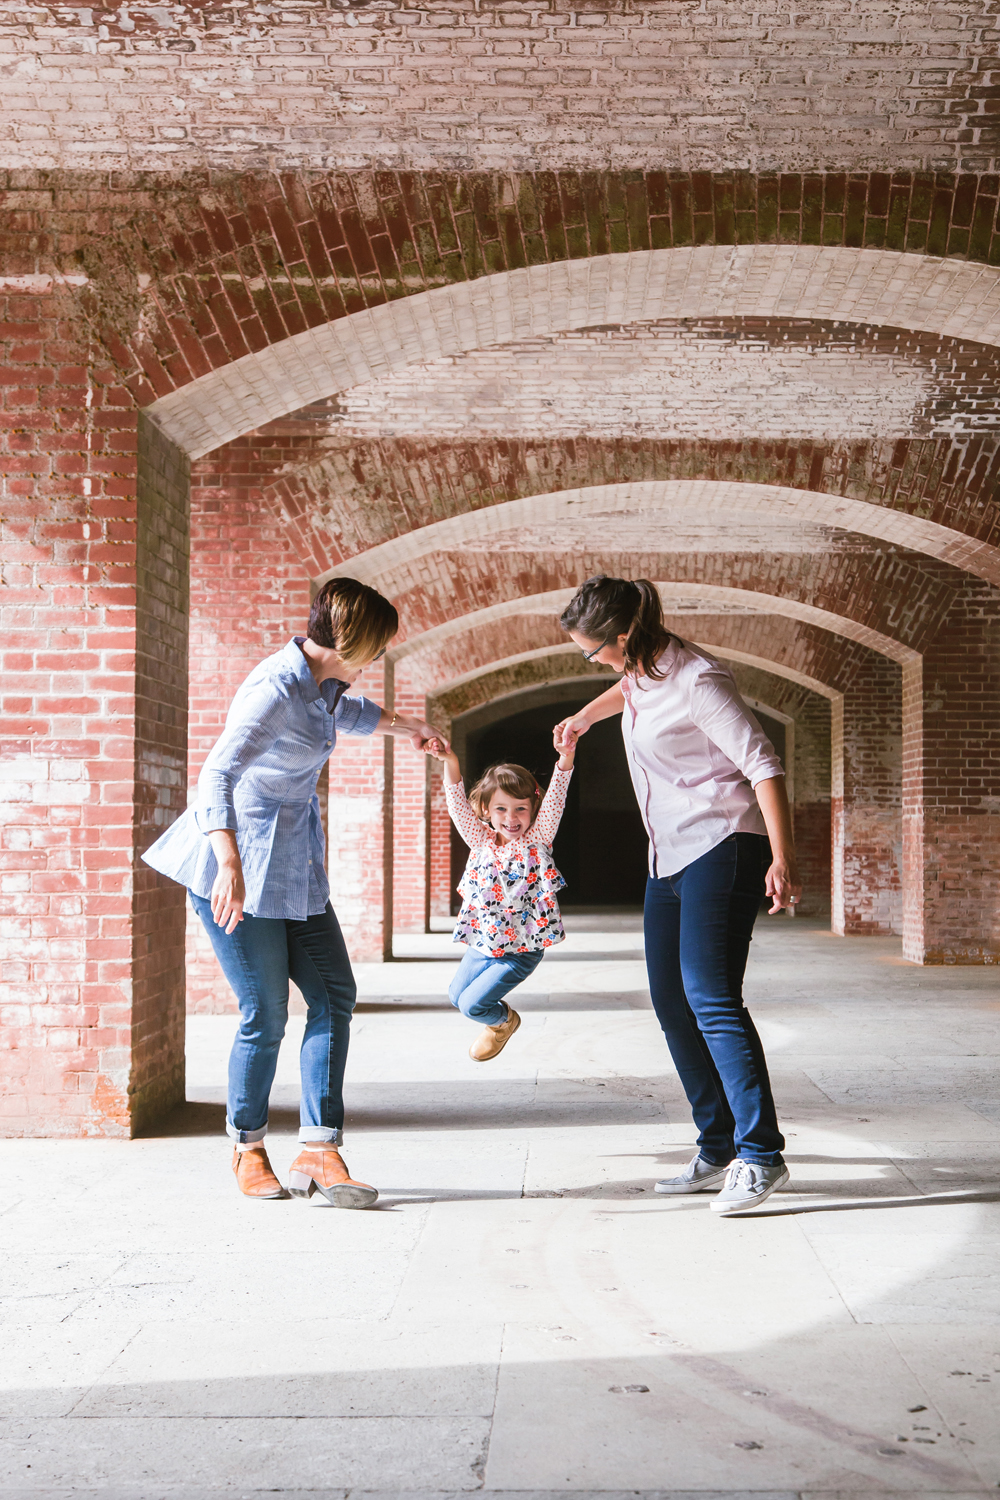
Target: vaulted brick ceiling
473,302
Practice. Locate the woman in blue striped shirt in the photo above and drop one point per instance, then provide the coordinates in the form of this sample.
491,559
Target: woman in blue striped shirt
251,853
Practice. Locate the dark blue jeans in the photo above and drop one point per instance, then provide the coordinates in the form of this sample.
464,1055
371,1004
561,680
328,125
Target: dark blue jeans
258,959
698,926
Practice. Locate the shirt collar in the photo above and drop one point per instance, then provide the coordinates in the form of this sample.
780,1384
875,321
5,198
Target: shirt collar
329,692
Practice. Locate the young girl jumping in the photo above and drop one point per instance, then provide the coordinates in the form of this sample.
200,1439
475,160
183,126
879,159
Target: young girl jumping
510,913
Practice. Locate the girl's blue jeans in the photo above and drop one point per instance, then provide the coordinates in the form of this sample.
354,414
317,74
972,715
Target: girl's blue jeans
481,983
698,926
258,960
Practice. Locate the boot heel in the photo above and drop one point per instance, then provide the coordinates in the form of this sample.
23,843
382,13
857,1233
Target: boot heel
301,1185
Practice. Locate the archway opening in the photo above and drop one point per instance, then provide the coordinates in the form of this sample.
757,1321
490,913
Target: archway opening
601,847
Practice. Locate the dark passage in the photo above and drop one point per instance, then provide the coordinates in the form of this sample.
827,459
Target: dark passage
601,847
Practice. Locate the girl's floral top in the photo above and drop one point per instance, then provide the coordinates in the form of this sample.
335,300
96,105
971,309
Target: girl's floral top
509,890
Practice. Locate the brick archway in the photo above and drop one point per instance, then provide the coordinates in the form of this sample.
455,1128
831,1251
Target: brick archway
916,292
670,503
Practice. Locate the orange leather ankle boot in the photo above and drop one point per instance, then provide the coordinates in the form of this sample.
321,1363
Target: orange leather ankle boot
254,1177
323,1169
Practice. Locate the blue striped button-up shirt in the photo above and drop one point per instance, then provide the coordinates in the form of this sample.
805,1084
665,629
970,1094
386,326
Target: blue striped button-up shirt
260,780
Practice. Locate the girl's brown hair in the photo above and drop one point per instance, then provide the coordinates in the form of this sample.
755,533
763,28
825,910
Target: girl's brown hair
516,781
604,608
352,619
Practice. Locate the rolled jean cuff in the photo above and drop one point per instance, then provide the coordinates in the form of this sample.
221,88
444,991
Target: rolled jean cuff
245,1137
312,1135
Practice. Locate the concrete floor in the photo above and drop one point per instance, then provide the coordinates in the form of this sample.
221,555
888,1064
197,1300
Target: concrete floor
521,1313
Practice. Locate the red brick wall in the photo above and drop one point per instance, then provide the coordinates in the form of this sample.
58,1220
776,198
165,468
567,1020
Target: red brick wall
93,733
409,817
359,819
161,740
249,595
867,802
951,786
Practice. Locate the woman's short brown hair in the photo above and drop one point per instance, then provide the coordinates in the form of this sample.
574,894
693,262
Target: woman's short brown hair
516,781
352,619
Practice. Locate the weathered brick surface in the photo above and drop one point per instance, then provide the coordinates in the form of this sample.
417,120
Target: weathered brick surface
555,85
951,788
248,597
93,734
798,534
410,808
156,1083
359,831
867,758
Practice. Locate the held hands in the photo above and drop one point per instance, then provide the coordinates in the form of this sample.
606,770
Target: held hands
567,732
441,750
421,734
782,885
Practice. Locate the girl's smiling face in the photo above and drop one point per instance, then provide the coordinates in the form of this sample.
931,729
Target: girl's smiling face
510,815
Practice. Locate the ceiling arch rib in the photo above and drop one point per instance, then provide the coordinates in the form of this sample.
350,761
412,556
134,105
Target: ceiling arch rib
889,288
558,654
814,519
473,643
725,597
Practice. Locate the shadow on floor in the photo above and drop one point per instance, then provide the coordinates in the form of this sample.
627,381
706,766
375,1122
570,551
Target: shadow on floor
520,1103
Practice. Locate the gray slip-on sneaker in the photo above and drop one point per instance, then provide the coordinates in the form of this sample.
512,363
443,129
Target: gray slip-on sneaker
747,1184
699,1176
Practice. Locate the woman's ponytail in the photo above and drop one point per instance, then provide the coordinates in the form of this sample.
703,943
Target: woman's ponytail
604,608
646,636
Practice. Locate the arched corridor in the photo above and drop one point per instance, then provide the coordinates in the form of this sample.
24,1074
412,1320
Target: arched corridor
472,303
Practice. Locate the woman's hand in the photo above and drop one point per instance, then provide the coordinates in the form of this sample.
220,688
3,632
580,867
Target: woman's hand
568,731
228,890
782,884
420,735
442,751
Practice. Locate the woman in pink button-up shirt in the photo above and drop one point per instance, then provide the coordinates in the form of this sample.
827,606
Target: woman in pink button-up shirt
711,791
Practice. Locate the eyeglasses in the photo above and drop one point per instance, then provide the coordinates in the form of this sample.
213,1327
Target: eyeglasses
380,654
589,655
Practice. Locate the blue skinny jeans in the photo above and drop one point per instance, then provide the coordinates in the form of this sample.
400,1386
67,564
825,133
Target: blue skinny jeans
698,925
481,984
258,960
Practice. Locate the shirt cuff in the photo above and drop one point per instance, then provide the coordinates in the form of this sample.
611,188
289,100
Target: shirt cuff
766,773
215,816
357,716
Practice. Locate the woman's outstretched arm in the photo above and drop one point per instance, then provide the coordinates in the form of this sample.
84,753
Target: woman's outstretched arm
783,884
416,730
568,731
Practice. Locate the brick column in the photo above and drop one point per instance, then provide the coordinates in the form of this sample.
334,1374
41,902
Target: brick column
359,830
249,595
93,736
867,757
439,836
409,818
811,810
951,788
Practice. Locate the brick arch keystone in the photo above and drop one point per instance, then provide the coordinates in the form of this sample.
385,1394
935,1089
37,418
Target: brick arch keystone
677,498
892,288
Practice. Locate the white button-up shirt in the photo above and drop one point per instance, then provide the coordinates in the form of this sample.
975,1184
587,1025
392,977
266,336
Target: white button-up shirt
695,752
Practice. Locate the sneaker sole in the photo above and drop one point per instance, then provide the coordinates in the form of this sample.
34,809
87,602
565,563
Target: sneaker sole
736,1208
707,1185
